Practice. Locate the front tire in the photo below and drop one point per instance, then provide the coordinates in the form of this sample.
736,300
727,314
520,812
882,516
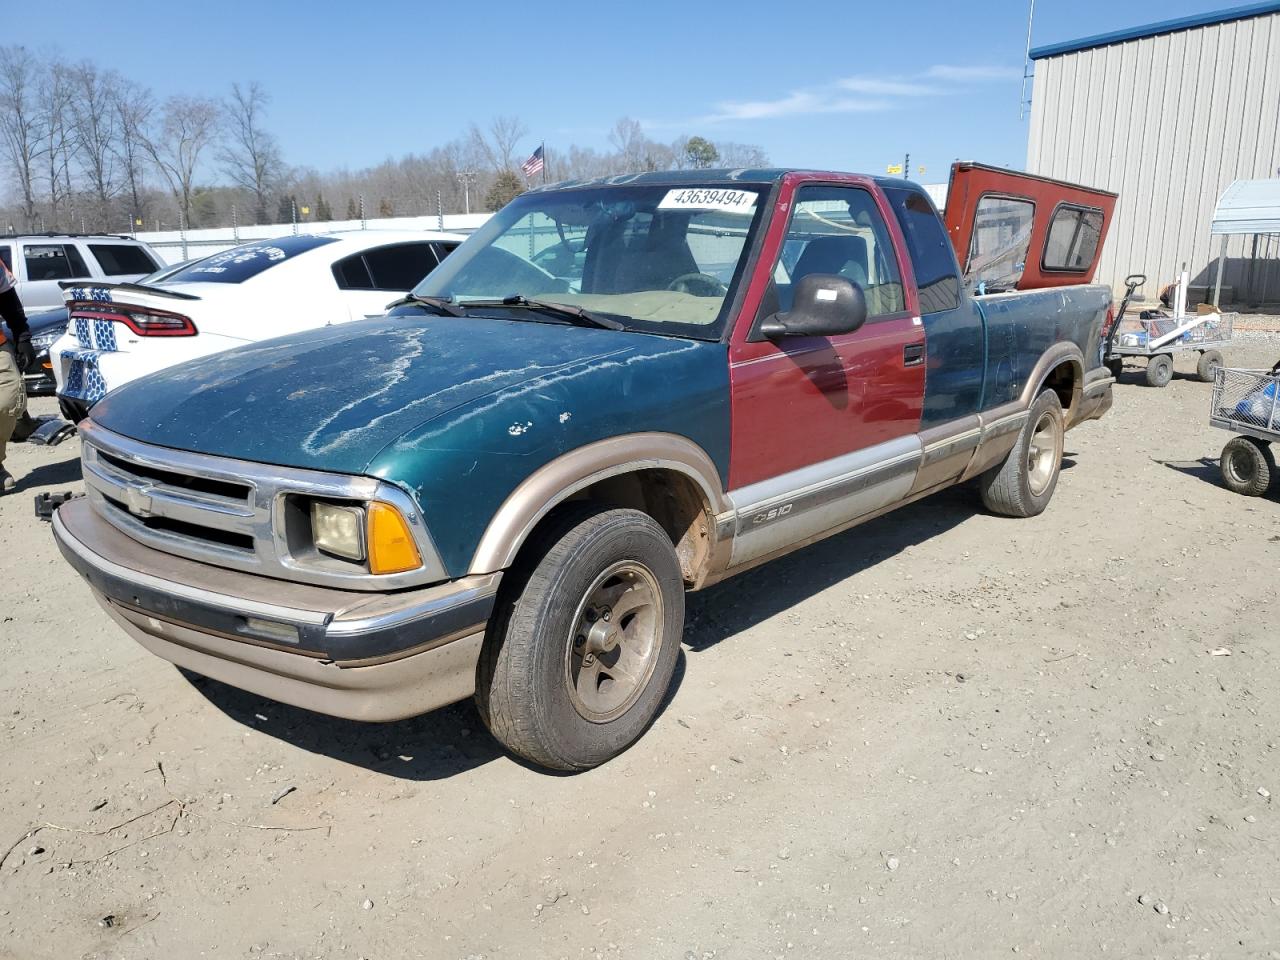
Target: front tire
1248,466
1159,370
1023,483
582,649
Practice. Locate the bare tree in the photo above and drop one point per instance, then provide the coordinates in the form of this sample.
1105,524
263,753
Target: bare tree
58,126
627,137
251,157
741,154
96,132
499,146
20,123
187,126
133,108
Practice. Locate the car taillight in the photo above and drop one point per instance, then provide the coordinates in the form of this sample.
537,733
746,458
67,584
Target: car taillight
144,321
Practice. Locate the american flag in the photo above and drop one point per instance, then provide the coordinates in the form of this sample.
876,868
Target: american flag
533,166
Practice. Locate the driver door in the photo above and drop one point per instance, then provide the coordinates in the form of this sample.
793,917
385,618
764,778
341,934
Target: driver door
824,428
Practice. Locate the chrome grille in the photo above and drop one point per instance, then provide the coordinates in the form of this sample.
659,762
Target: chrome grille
231,513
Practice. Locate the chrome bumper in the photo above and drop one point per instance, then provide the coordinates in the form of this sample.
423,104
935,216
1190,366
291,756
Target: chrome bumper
346,653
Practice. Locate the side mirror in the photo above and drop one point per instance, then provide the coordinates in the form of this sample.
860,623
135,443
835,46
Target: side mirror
825,305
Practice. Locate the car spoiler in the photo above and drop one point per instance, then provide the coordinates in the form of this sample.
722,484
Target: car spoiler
77,291
1010,245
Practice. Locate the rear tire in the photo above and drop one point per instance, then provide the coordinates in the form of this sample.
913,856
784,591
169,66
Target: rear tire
562,681
1159,370
1023,483
1248,466
1207,366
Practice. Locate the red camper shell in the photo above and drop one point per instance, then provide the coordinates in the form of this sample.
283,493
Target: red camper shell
1017,231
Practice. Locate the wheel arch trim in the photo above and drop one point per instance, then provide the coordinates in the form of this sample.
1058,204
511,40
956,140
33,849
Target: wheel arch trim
1060,353
557,481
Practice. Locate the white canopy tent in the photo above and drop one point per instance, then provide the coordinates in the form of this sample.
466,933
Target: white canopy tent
1247,207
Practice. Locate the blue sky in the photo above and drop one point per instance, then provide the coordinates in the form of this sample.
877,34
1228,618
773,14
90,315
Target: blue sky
847,85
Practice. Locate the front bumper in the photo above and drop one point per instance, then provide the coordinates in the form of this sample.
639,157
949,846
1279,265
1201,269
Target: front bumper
357,655
41,382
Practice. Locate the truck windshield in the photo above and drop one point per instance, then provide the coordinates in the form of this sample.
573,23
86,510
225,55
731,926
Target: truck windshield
658,259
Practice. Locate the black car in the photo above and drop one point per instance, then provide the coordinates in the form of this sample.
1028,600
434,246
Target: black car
46,327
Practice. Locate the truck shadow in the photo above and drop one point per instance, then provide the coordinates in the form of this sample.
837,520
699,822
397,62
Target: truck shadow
434,746
453,740
729,608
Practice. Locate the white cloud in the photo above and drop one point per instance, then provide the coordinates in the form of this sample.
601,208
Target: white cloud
860,94
794,104
944,71
875,87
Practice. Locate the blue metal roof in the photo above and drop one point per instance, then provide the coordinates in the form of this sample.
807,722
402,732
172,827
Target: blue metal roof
1155,29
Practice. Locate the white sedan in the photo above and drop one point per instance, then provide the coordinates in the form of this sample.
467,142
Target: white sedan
118,332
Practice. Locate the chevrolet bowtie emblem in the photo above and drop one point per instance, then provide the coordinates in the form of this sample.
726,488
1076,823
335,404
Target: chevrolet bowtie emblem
138,501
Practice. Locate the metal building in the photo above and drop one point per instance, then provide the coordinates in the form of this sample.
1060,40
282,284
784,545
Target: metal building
1168,115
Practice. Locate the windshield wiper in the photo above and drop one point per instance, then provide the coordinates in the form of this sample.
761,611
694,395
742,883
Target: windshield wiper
575,315
440,305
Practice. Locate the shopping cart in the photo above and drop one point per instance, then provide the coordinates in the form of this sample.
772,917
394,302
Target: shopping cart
1247,402
1159,338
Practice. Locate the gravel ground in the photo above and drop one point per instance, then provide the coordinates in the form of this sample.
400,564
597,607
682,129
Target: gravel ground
940,734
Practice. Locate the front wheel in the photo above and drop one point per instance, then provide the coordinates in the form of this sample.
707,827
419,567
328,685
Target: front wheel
1247,466
582,649
1022,485
1159,370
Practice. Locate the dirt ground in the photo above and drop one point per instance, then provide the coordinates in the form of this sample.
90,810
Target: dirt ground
942,734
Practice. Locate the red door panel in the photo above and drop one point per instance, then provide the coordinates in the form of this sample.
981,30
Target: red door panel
804,401
801,401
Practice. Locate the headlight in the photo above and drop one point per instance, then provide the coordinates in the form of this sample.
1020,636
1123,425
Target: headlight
338,530
43,341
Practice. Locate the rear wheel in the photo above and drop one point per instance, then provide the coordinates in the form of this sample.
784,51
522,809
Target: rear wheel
1159,370
581,651
1208,364
1022,485
1248,466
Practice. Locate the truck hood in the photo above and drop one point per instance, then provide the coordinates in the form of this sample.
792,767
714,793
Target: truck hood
332,398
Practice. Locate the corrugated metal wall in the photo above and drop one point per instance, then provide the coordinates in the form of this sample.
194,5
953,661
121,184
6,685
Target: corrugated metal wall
1167,122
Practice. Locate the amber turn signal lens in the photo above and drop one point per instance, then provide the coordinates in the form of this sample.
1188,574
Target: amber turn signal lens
391,546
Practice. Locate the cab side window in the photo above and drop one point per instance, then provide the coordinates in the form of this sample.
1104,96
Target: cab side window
53,261
839,230
937,277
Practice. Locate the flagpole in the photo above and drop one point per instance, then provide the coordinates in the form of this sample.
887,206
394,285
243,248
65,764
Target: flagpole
544,161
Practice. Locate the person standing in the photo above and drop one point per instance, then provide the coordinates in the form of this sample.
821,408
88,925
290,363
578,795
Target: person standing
16,356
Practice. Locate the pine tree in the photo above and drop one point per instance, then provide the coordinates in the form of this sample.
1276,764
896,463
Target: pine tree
352,212
284,211
322,209
385,209
701,153
506,187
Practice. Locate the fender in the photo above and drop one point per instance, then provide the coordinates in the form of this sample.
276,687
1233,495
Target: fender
553,483
1052,358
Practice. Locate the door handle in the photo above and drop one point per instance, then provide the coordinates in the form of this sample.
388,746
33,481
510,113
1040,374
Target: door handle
913,355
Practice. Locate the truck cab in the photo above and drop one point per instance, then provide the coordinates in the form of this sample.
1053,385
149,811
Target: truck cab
505,487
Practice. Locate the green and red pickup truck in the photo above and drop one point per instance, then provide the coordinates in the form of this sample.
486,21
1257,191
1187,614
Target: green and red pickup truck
615,391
